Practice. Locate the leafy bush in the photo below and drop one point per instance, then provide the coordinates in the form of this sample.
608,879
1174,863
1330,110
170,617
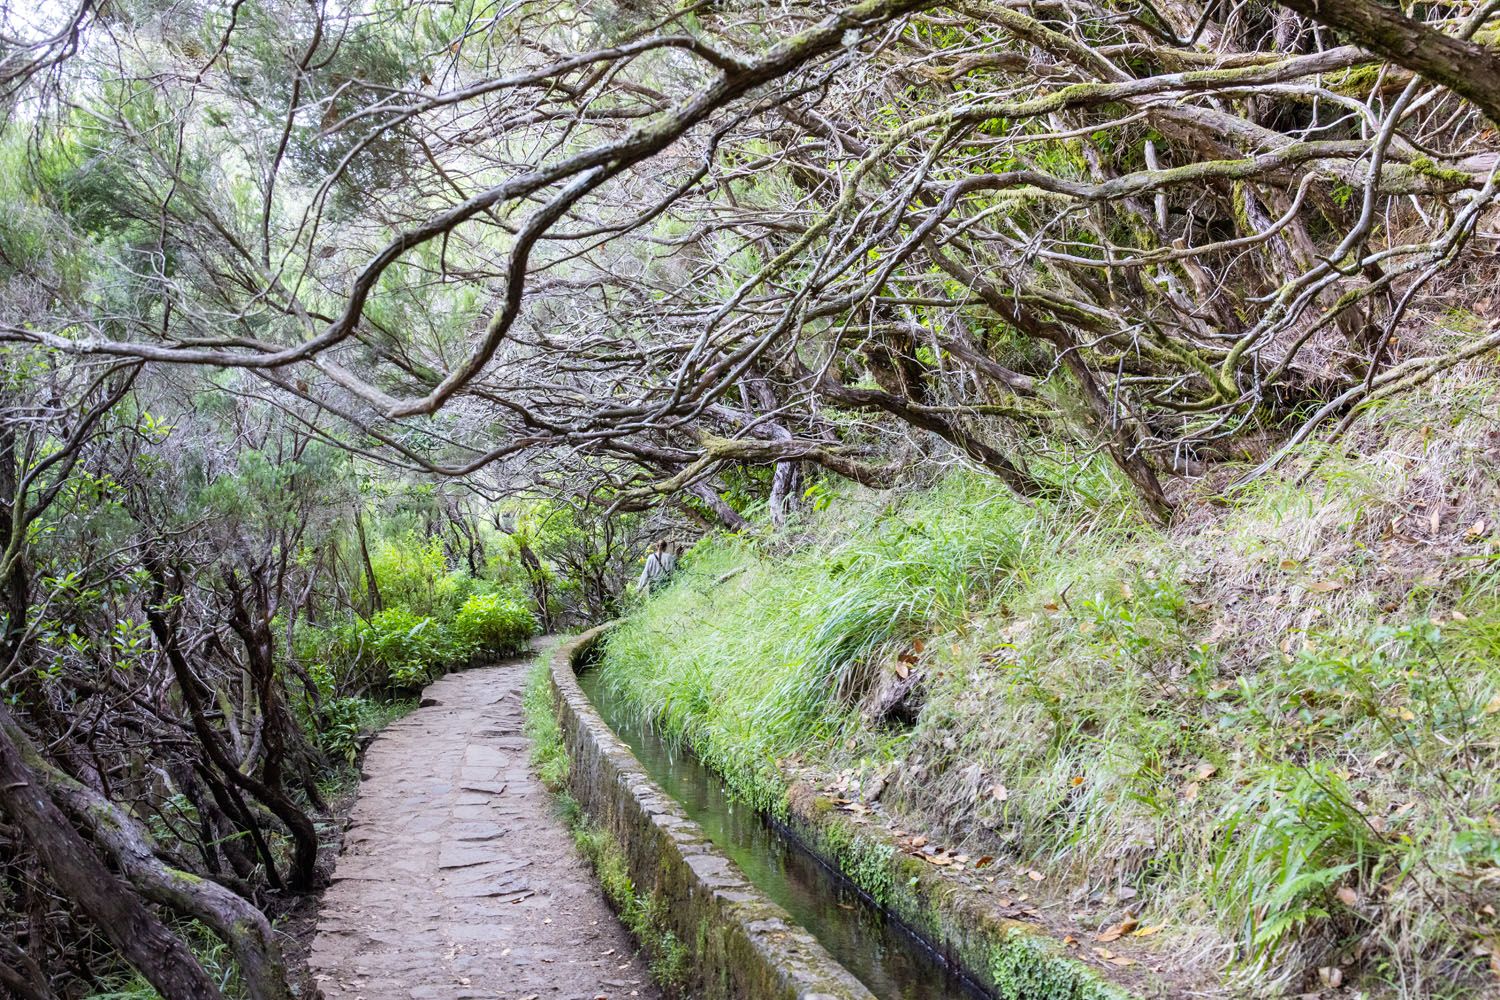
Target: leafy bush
412,572
407,648
339,736
345,720
494,623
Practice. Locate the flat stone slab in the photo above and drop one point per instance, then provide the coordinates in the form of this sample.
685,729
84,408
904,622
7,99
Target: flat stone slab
458,879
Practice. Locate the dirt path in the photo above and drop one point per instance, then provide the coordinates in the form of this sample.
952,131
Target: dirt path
458,880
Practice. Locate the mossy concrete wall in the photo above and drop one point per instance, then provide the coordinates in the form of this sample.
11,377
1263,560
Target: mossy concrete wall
1011,959
742,945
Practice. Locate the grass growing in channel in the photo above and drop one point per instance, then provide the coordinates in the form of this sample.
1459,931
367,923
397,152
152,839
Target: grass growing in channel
1273,729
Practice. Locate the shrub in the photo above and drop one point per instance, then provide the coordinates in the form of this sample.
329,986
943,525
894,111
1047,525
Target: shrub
494,623
407,647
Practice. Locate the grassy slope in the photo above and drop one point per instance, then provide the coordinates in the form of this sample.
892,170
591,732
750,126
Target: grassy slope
1273,728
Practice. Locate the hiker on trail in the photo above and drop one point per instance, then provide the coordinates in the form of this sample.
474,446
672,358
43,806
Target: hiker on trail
655,570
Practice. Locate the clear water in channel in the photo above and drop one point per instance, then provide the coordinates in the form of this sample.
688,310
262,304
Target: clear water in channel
887,958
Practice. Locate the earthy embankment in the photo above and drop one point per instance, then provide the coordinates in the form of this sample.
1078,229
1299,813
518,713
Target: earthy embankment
458,880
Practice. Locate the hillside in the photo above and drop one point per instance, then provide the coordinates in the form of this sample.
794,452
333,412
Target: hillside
1269,731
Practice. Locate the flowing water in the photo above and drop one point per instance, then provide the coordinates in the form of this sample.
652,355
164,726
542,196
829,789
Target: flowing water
885,956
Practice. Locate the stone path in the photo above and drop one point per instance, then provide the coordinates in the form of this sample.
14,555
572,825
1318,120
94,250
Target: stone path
458,881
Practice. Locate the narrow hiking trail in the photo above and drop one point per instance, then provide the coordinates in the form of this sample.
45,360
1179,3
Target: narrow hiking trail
458,880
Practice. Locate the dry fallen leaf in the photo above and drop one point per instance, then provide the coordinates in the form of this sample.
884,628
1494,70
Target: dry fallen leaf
1206,771
1119,930
902,670
1077,780
1147,931
985,861
1325,586
1476,530
1347,896
1332,976
1289,564
1121,960
1035,875
1000,793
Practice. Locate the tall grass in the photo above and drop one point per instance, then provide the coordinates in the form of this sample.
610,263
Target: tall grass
1274,729
752,653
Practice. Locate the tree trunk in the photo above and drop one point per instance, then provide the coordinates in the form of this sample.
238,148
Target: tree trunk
727,515
242,926
124,920
364,555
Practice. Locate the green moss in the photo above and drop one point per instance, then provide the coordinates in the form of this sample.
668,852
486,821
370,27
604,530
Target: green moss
867,862
1427,167
1026,967
644,912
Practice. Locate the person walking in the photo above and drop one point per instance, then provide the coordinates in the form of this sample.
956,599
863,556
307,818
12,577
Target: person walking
654,571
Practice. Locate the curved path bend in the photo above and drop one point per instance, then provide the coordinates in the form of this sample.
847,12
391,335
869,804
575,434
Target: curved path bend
458,880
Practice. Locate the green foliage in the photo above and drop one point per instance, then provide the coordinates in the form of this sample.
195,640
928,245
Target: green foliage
346,721
492,623
413,572
1028,967
753,668
548,755
643,912
1288,841
408,649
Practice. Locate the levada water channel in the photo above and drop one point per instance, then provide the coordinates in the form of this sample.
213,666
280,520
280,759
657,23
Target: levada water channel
891,961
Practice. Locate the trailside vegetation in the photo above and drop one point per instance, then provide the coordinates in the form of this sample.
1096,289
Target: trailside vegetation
342,344
1267,734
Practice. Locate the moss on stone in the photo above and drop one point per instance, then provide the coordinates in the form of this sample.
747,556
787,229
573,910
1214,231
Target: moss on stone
1027,967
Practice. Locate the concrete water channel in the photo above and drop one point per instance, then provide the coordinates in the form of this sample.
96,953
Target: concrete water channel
892,962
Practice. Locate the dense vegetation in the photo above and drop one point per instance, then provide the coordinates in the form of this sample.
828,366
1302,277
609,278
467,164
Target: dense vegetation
1097,390
1271,730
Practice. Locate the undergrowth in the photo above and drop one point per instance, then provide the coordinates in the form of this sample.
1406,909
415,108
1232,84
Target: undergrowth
1272,728
548,755
643,912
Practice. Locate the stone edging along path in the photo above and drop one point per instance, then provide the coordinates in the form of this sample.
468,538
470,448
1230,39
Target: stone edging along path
744,947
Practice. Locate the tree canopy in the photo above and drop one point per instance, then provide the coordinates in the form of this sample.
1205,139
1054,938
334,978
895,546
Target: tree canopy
517,276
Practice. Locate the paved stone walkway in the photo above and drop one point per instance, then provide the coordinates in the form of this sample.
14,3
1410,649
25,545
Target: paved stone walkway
458,881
